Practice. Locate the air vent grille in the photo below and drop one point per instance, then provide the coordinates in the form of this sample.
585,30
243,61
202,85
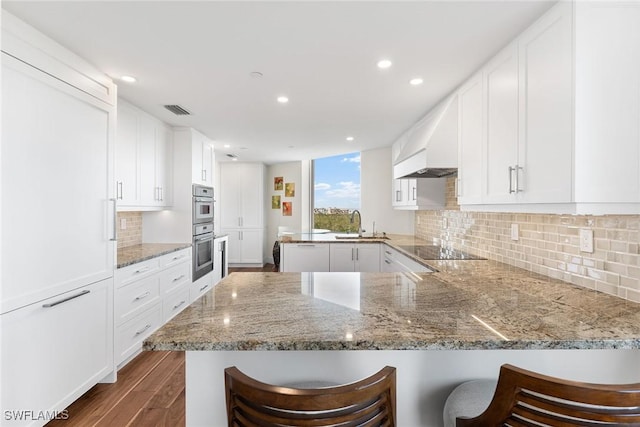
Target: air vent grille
232,156
177,110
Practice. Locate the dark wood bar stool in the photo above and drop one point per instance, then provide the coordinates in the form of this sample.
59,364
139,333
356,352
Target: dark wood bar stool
367,402
525,398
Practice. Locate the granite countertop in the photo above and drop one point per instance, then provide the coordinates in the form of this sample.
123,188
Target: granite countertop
138,253
465,305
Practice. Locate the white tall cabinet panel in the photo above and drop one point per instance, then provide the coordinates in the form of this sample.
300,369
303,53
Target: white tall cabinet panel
202,159
469,181
56,144
501,125
546,109
57,218
241,199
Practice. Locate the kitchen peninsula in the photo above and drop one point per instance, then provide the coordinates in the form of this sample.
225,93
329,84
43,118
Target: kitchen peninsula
438,329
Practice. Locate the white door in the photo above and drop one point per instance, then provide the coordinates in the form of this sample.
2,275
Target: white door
251,241
126,156
342,257
163,165
57,217
250,175
546,109
501,126
368,257
230,197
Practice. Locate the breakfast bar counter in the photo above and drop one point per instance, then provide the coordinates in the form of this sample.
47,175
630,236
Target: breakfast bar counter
438,329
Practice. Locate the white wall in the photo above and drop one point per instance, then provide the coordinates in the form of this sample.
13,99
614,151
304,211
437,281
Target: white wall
376,178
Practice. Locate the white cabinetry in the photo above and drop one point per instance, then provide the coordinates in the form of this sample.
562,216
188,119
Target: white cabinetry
143,160
300,257
355,257
394,261
469,180
202,159
242,211
56,313
147,295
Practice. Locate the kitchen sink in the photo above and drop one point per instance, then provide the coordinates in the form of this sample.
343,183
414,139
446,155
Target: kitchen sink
356,237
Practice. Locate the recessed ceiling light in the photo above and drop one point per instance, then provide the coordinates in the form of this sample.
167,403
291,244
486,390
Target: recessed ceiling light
227,145
350,138
384,63
283,99
128,79
416,81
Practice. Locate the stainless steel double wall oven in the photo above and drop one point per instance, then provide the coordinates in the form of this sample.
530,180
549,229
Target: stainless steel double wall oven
202,231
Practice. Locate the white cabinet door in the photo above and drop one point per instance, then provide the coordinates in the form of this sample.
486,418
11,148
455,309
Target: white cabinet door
501,126
127,166
245,246
546,109
56,186
147,150
400,192
251,193
202,159
355,257
230,197
301,257
164,166
367,257
469,181
53,351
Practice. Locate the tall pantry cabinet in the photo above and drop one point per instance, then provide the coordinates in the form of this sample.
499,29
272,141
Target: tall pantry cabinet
57,226
242,211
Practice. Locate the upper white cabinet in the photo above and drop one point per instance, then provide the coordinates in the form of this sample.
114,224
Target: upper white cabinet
144,151
203,159
560,116
469,180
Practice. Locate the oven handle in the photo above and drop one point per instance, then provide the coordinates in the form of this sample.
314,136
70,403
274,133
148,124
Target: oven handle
202,239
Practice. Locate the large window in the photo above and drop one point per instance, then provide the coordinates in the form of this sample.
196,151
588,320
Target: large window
336,192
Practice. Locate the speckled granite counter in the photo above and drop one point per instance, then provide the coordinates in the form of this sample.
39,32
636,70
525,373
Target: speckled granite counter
138,253
466,305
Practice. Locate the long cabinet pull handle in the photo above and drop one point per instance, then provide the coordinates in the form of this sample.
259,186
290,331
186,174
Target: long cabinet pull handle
179,304
179,278
143,296
53,304
518,168
511,168
114,236
119,190
141,270
398,195
147,326
387,261
203,288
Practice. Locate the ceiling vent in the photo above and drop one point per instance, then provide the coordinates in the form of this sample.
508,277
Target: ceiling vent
232,156
177,110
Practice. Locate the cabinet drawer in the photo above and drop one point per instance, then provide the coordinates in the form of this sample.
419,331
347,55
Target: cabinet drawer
174,258
201,287
131,300
130,335
131,273
174,277
175,302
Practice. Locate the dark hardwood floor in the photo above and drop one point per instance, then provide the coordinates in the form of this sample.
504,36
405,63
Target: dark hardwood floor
150,392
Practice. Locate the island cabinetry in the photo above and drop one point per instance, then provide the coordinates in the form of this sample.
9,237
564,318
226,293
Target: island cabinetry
394,261
144,148
355,257
242,211
148,294
299,257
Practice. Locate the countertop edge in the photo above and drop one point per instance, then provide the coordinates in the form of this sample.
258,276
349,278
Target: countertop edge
160,251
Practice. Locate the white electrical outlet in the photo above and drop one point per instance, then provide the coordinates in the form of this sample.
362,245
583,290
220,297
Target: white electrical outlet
123,223
586,240
515,232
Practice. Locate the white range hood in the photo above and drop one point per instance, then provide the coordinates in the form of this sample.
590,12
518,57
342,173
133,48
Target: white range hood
431,150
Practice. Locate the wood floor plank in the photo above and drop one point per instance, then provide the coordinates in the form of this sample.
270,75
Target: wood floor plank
155,379
126,410
170,391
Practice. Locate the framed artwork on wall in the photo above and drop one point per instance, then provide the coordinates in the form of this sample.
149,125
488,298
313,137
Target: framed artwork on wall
277,183
289,189
275,202
287,208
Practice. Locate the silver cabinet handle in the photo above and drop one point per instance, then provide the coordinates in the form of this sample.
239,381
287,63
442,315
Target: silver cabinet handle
175,258
387,261
142,330
518,168
511,190
179,278
388,253
305,246
143,296
203,288
119,190
114,236
53,304
357,254
352,254
161,194
141,270
398,195
179,304
414,193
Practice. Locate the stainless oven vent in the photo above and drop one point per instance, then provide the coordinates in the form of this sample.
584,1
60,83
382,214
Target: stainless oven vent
177,110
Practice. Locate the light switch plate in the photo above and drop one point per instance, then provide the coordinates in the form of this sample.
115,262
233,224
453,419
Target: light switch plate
515,232
123,223
586,240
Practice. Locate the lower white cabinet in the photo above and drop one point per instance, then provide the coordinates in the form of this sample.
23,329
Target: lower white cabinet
245,245
147,295
55,350
301,257
393,261
355,257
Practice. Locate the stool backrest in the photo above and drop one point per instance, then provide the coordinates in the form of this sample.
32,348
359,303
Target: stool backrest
524,398
368,402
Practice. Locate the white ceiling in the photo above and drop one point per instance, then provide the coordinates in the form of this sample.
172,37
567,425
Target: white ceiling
322,55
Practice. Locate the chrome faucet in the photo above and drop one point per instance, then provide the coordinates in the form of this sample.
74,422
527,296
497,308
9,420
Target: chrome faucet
360,230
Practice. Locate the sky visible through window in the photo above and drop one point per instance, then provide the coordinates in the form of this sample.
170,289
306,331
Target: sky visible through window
337,181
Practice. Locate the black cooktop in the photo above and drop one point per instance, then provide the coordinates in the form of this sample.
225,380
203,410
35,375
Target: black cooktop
428,252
